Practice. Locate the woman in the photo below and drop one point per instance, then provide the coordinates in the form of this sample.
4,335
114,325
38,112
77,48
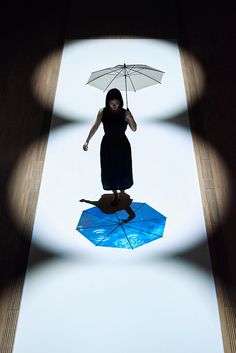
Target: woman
115,151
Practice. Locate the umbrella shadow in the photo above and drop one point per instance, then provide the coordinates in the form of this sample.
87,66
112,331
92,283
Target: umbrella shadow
106,205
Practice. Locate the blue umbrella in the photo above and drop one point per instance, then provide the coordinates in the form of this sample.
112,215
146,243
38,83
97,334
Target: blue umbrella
111,230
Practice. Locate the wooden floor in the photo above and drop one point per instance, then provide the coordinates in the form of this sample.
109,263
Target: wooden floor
25,125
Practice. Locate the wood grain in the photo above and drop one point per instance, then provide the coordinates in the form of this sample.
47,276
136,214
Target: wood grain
212,180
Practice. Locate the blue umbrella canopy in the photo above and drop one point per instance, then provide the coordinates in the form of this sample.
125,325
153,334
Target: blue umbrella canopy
110,229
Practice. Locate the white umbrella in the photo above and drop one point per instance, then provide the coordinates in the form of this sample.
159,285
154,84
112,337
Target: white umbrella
125,78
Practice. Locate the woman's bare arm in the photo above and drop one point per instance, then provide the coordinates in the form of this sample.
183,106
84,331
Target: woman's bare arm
130,120
93,129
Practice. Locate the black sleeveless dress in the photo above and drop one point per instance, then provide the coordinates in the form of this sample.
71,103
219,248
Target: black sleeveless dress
115,152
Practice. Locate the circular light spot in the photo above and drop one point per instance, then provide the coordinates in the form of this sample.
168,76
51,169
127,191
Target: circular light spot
70,174
75,100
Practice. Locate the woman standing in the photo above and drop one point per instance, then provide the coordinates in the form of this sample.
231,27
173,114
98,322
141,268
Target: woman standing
115,151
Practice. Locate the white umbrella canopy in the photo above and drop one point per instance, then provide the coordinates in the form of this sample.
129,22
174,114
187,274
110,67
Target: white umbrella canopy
125,78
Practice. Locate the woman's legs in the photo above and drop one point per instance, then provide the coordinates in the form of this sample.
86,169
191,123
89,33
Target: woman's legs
115,193
115,200
117,196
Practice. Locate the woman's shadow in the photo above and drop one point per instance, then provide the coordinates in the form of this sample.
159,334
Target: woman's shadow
106,204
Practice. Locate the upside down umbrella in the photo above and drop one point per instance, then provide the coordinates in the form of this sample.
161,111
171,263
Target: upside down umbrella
110,229
125,78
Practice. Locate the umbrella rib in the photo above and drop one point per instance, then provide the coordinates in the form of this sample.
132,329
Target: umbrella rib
107,68
131,82
143,231
127,237
100,217
113,79
137,70
124,232
106,225
140,207
106,73
141,73
144,67
107,235
148,219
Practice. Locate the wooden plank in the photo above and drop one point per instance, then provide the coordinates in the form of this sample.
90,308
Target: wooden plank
213,180
23,191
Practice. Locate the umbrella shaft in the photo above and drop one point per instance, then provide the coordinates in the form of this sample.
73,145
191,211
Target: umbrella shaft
126,89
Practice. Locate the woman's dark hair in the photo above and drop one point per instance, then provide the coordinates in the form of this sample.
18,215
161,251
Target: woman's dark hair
114,93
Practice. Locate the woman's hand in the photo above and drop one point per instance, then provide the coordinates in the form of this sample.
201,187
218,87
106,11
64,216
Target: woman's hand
85,146
93,129
128,112
128,116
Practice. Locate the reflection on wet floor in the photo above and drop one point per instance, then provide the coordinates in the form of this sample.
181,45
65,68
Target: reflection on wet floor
104,224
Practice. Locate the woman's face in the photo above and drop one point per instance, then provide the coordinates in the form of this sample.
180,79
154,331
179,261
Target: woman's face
114,104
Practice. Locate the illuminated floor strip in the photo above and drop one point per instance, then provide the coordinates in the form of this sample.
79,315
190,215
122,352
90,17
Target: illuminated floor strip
96,299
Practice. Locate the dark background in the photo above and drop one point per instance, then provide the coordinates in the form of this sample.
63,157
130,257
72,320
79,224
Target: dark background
31,30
